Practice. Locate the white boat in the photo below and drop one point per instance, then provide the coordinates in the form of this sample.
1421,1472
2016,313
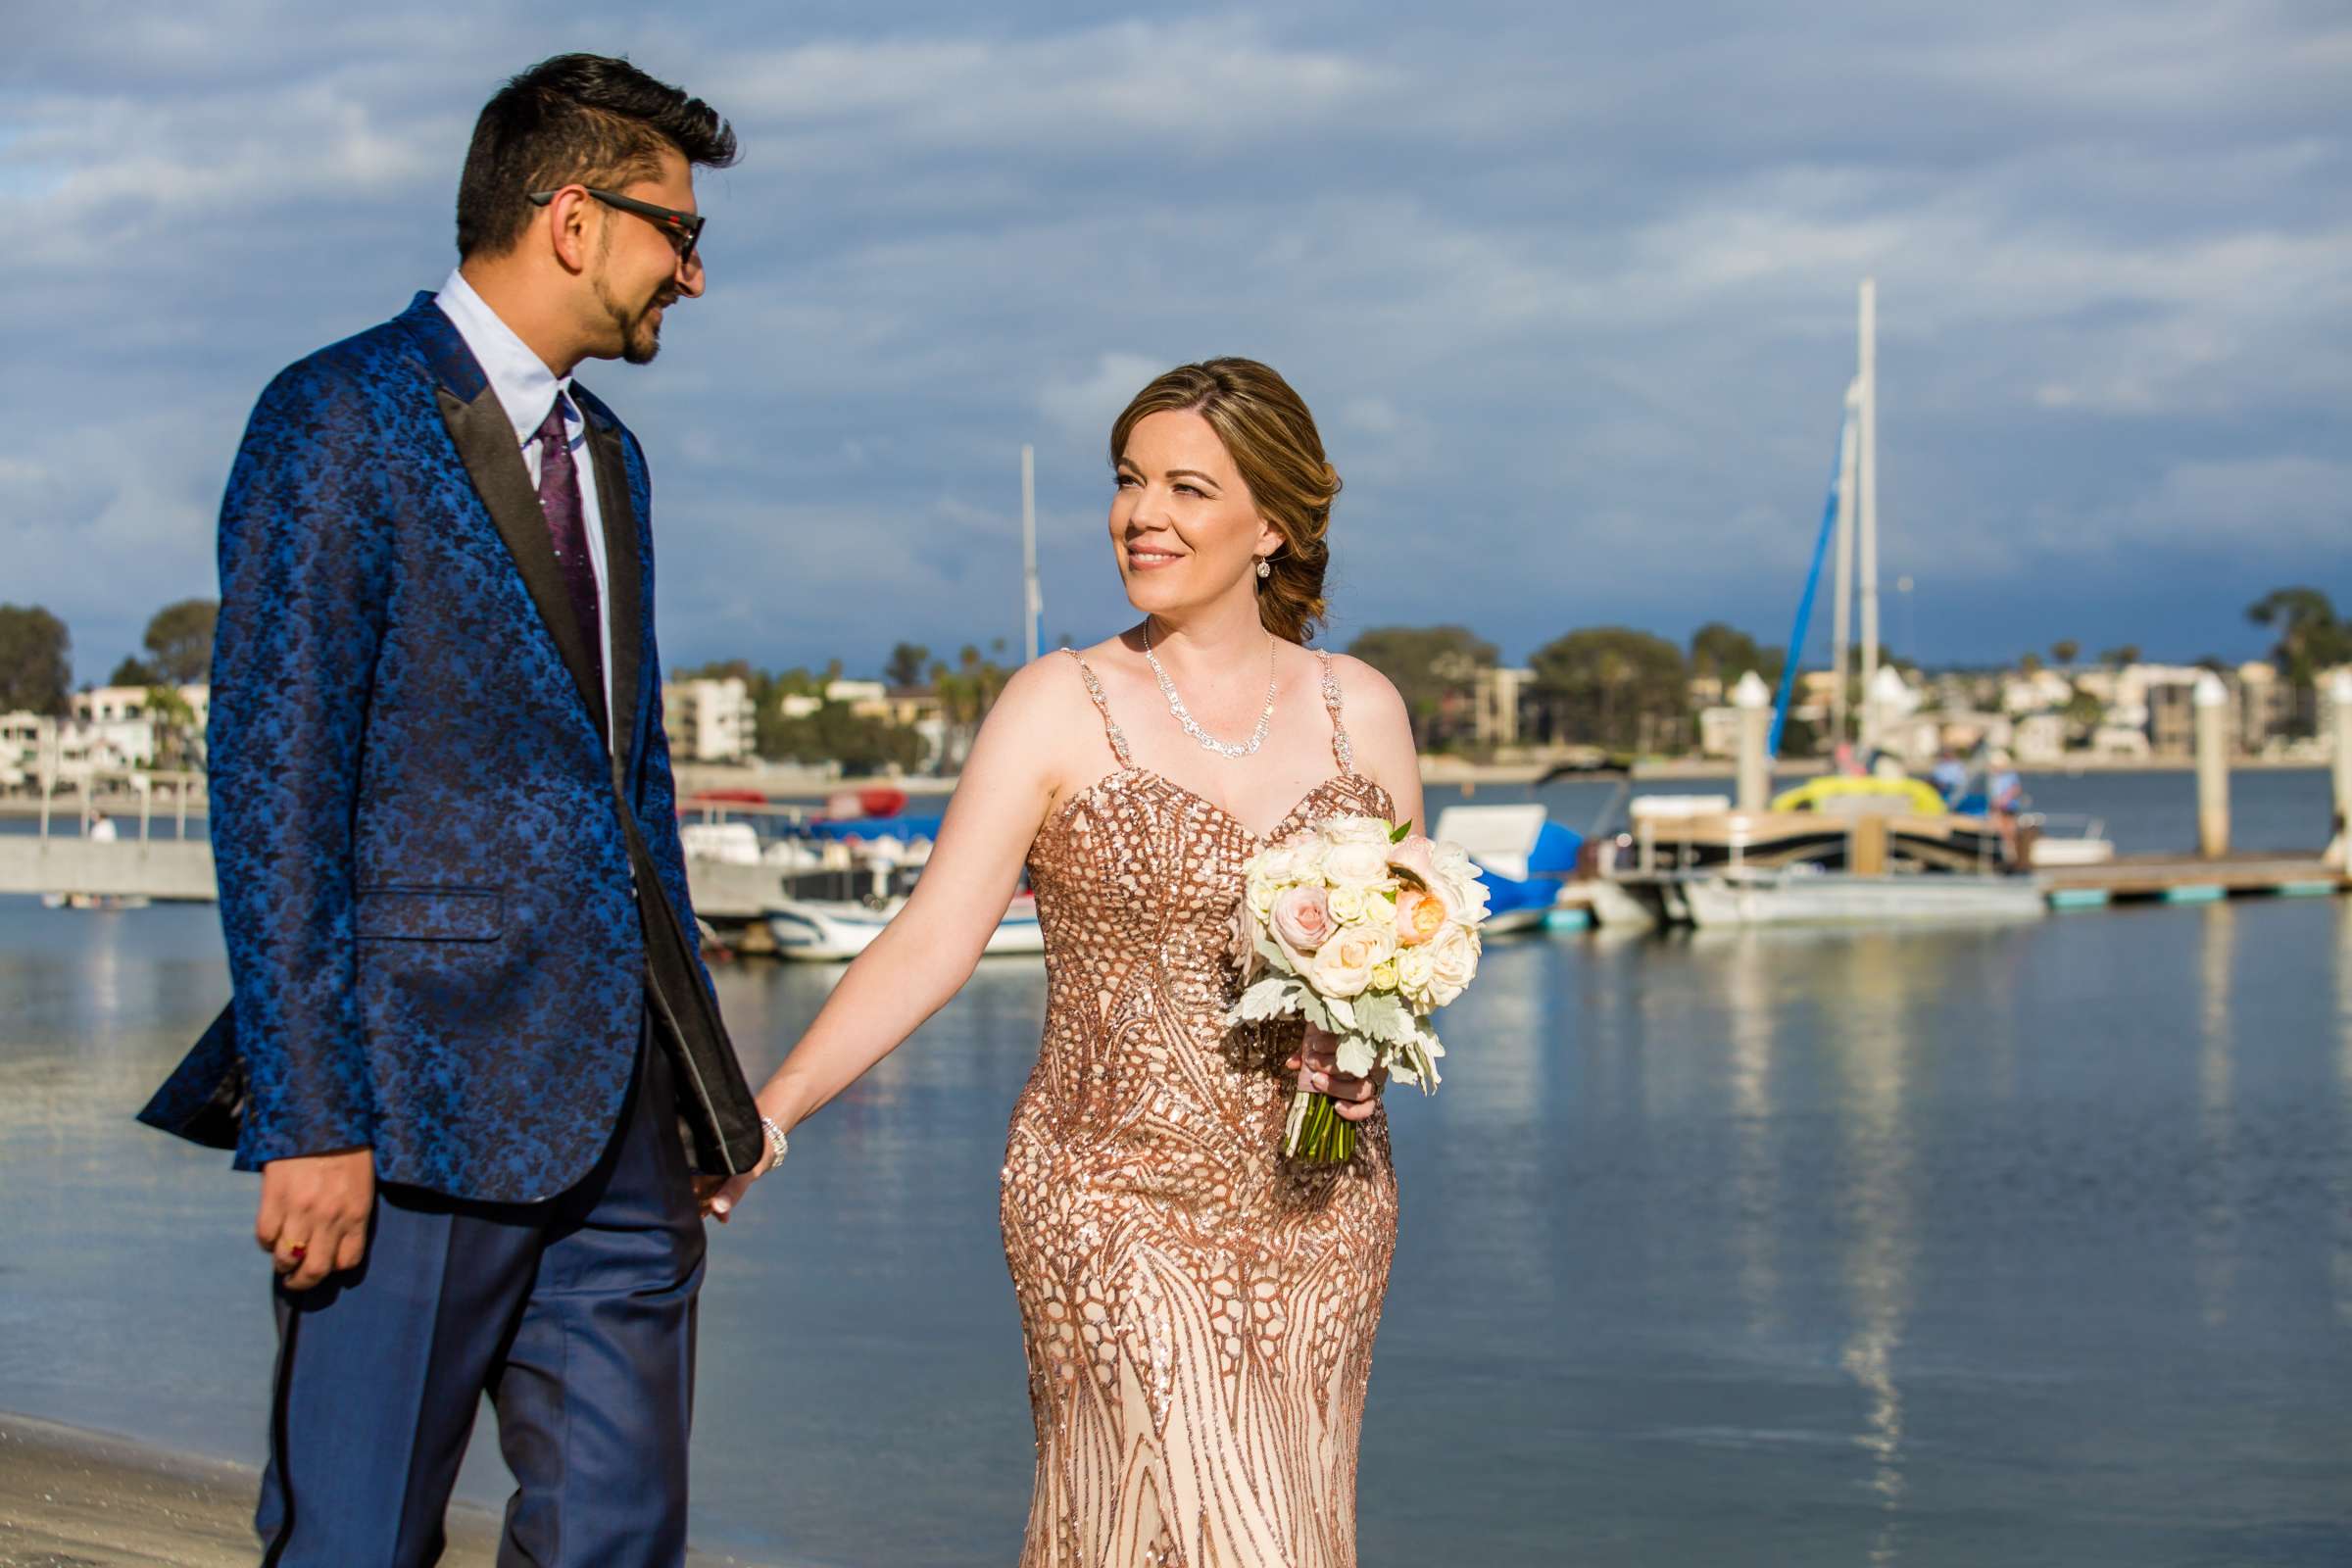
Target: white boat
836,930
93,901
2065,840
1802,895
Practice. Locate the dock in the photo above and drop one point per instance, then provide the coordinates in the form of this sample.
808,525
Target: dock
93,868
2191,879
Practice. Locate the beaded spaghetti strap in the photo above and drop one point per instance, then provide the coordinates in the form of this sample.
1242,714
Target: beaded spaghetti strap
1341,745
1094,689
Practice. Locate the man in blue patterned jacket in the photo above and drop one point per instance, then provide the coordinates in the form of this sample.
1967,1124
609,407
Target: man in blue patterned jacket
472,1050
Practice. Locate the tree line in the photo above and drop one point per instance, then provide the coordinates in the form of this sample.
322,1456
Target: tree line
36,656
1616,687
864,743
1628,690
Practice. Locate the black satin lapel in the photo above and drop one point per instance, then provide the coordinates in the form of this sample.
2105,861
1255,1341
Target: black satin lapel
485,440
624,607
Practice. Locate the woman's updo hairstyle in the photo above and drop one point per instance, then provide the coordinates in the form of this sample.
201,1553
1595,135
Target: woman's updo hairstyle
1273,442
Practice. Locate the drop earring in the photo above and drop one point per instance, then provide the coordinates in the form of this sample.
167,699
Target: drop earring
1264,571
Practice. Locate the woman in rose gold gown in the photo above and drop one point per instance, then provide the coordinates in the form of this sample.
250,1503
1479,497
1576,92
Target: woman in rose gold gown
1197,1310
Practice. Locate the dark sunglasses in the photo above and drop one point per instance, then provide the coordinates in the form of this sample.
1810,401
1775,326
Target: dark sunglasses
683,230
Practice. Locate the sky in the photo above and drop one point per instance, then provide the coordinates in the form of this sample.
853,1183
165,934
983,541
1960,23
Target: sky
1570,289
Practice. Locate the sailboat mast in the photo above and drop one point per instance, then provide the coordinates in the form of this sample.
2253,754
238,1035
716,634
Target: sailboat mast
1866,473
1841,620
1033,602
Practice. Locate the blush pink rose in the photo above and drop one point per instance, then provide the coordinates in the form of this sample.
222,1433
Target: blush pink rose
1420,916
1302,919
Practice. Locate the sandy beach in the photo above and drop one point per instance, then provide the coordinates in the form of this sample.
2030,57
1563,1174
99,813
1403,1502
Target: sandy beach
77,1499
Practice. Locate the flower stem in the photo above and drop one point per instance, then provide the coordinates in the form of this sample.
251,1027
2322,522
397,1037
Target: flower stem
1316,1132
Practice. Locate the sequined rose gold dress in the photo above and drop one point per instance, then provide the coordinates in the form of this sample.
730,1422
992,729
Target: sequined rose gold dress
1198,1314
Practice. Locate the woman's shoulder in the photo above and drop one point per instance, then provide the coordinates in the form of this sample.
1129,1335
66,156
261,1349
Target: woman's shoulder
1364,691
1053,692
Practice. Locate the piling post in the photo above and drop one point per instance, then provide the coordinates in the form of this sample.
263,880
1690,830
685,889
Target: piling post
2339,700
1754,702
1866,841
2210,701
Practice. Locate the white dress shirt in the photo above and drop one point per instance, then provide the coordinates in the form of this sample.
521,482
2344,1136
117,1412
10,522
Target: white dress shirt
527,389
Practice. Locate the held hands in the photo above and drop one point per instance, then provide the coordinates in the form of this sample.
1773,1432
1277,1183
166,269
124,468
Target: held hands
1354,1098
313,1215
718,1195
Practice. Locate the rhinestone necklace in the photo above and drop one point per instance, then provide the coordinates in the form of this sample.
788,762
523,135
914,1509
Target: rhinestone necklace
1192,726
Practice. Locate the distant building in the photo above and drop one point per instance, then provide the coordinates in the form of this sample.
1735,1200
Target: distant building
911,706
20,746
1719,730
2040,692
121,705
2266,707
1497,696
711,720
2120,743
2040,739
2101,684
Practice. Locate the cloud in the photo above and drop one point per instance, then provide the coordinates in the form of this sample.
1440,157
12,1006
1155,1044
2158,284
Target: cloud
1086,405
1572,291
1201,83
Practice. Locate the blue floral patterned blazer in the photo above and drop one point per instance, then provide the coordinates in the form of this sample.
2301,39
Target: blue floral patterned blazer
447,902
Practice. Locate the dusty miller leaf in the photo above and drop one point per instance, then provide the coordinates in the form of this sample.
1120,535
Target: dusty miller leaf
1383,1018
1271,998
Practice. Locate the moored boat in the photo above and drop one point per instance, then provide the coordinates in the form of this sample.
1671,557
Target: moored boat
837,930
1522,856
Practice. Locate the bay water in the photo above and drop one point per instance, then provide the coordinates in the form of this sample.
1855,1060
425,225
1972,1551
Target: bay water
1957,1245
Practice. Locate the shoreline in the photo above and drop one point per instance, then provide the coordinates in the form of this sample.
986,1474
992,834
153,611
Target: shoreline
97,1500
695,777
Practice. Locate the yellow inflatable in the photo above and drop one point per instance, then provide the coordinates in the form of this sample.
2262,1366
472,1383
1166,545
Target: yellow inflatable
1917,797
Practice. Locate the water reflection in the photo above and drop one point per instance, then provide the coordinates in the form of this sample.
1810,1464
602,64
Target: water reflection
1880,1248
2216,1224
1755,1181
2343,1077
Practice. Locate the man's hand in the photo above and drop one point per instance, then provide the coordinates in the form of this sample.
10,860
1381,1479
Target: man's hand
314,1215
719,1194
1355,1098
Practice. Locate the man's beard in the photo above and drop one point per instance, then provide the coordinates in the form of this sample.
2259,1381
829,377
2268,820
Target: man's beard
640,330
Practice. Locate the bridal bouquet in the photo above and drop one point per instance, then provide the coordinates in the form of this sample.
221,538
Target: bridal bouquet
1363,928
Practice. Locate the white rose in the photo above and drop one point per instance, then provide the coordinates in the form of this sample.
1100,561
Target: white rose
1263,890
1343,965
1363,865
1459,882
1294,861
1452,961
1348,903
1339,830
1414,969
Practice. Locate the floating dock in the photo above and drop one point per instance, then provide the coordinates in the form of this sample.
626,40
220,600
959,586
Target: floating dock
2190,879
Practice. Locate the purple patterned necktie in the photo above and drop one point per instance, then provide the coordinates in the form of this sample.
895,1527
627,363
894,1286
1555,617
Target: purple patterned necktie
568,525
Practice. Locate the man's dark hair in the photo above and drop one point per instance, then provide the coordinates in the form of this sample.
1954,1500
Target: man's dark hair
586,118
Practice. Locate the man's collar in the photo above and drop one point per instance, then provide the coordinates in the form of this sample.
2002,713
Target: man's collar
526,388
